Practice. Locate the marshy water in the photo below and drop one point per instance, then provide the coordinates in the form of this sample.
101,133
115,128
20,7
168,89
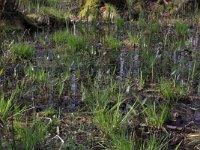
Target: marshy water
71,68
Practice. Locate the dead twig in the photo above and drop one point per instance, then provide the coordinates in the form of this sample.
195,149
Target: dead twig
47,118
57,137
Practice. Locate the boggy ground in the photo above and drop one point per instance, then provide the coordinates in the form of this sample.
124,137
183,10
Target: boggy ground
102,85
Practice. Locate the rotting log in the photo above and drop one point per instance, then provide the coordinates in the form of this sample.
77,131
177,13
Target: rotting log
9,11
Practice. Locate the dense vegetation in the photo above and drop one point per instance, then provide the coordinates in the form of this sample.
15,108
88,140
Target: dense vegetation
99,74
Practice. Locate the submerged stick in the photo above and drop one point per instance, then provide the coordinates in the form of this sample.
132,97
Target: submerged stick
73,80
122,61
135,65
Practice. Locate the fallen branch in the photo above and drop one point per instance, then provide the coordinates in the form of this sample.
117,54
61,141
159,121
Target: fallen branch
183,129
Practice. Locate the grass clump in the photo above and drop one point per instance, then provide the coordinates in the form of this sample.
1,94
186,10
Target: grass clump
5,107
172,91
75,42
112,42
113,123
60,37
122,142
133,40
156,116
36,75
112,120
154,27
98,98
107,120
156,142
22,50
119,22
181,28
32,135
105,102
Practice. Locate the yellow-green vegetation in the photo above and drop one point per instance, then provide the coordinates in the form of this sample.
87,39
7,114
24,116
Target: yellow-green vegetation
110,12
135,6
1,72
22,50
89,4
